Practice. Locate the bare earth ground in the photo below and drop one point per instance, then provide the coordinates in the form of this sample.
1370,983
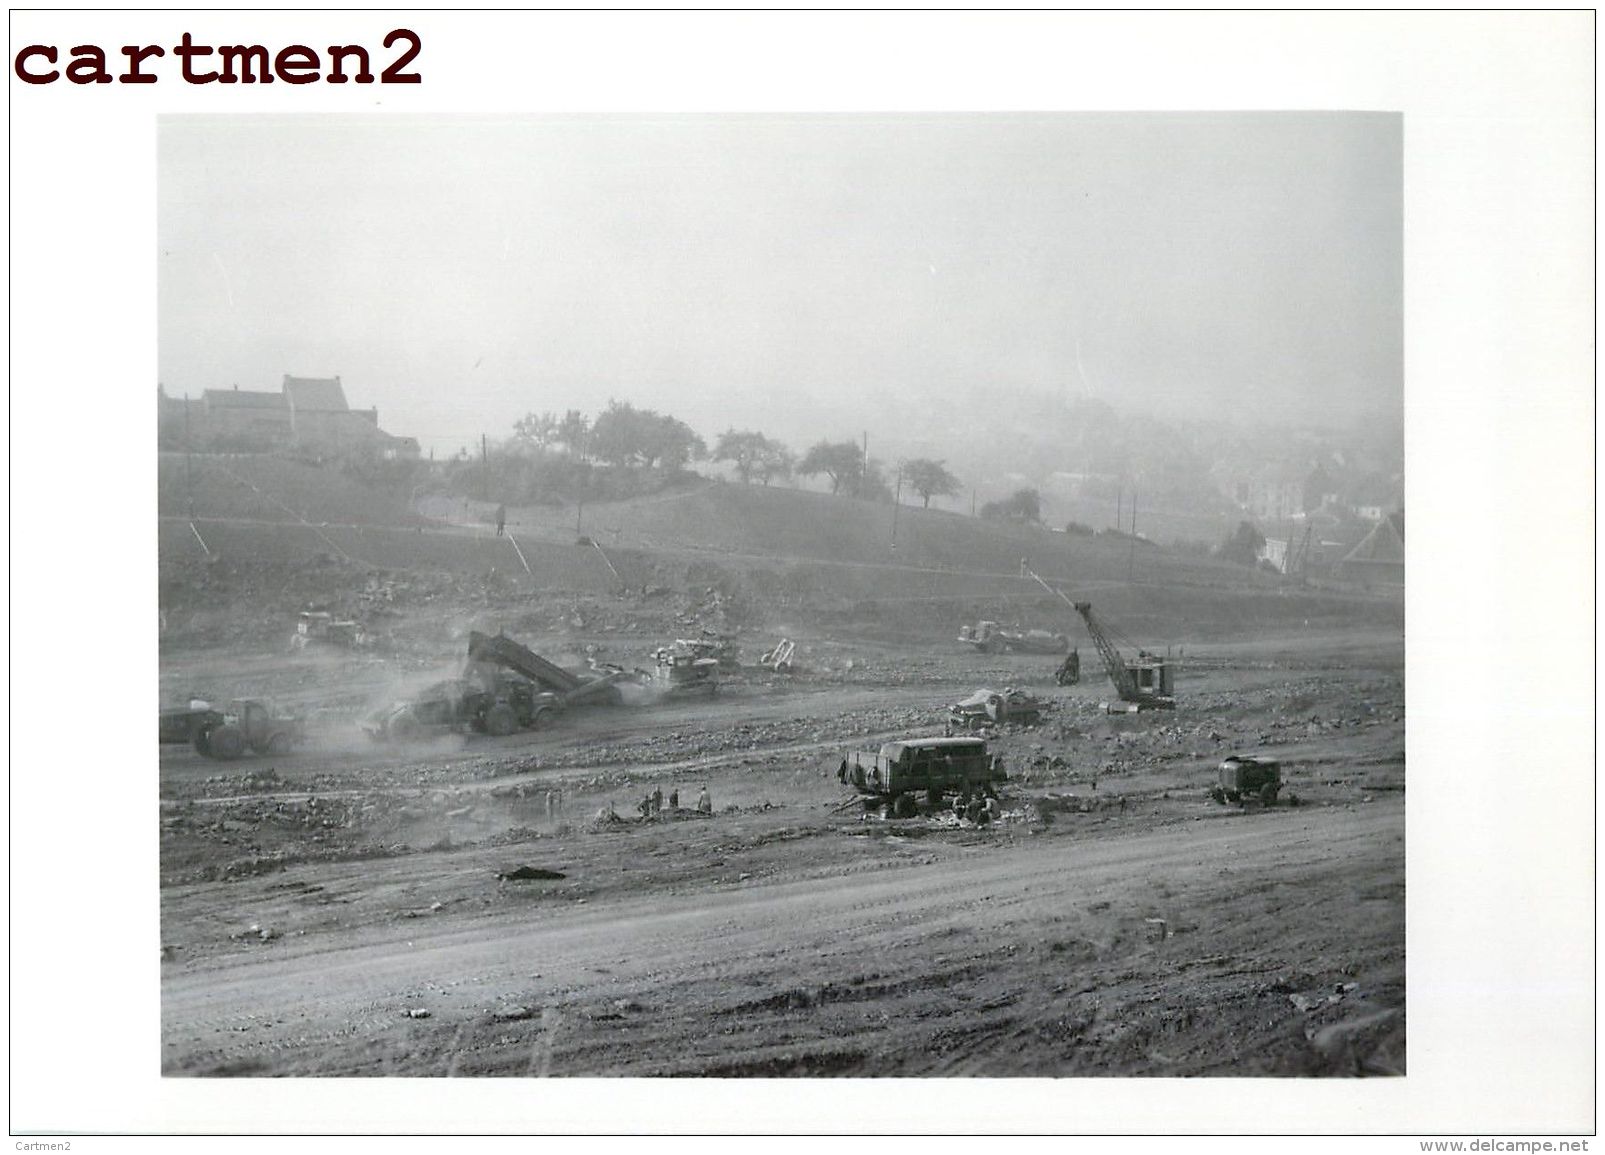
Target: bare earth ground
338,911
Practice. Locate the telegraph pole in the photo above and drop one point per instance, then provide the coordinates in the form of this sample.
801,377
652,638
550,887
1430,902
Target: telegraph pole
189,477
897,500
484,467
1131,557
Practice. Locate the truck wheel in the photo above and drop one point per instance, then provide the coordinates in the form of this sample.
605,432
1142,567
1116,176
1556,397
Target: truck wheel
903,806
933,798
1267,794
500,720
227,742
202,742
281,743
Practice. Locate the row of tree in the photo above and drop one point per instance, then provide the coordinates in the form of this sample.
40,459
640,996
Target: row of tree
643,439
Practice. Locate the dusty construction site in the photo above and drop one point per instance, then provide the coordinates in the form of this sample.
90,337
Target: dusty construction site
678,883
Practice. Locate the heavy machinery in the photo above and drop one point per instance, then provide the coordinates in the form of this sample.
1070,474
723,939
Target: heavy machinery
321,627
497,705
1069,671
243,726
991,638
991,707
1144,683
505,686
1244,776
780,658
938,766
680,670
501,652
711,644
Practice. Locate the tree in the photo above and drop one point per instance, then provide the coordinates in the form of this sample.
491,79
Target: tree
841,461
574,432
775,461
753,455
1022,503
540,430
929,479
624,435
1243,544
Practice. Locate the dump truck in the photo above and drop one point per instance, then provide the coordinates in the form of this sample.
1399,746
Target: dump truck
991,638
505,686
900,770
1242,777
497,705
242,726
992,707
500,652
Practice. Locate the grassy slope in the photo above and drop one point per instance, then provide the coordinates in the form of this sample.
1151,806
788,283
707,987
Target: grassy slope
802,555
260,488
791,523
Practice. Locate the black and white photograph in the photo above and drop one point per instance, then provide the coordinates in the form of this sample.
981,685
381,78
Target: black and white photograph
782,596
811,592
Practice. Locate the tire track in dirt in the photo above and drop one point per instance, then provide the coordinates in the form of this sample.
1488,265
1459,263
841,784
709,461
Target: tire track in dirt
705,952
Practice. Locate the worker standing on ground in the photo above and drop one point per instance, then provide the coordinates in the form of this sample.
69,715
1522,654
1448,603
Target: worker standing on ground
704,803
501,519
674,799
657,800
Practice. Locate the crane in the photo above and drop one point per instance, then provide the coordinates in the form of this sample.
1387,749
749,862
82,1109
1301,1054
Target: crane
1145,682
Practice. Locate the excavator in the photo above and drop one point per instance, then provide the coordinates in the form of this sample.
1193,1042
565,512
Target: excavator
1144,683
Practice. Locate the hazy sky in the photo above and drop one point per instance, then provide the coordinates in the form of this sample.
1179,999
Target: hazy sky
806,276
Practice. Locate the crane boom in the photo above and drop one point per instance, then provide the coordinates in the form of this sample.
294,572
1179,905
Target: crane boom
1146,684
1119,674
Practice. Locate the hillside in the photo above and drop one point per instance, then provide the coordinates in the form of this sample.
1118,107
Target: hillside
800,524
258,487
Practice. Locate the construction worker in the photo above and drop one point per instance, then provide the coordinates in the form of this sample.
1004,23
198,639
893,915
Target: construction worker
501,519
674,799
704,803
657,800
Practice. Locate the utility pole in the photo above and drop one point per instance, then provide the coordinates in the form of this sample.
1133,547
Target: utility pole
1131,557
189,477
484,467
972,501
1120,497
897,500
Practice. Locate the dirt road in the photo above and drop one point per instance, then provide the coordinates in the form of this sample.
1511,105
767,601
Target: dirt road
940,954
